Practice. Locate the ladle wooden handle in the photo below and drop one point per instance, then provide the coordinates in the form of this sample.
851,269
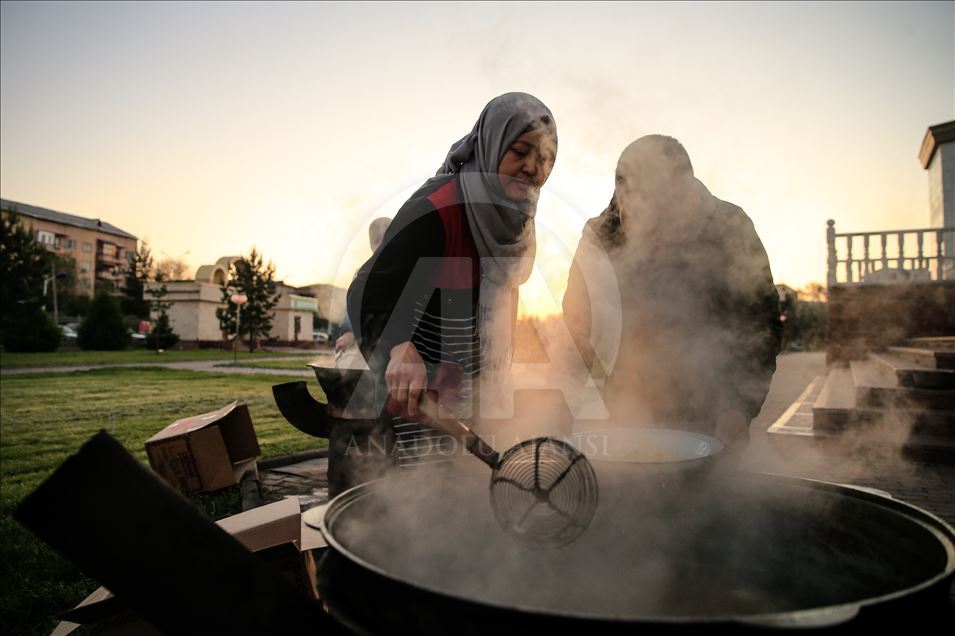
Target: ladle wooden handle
431,414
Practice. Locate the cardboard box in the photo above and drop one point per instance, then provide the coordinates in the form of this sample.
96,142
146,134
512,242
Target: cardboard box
103,613
205,452
275,532
266,526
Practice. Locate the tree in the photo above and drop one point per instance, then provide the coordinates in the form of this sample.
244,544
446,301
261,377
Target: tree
23,264
137,275
171,269
78,305
103,286
249,276
31,329
161,336
814,292
66,282
103,328
805,318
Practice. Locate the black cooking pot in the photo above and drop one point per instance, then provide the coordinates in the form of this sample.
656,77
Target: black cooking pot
422,553
359,441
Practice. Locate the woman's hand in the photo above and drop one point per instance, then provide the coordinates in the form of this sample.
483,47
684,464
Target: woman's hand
406,376
344,341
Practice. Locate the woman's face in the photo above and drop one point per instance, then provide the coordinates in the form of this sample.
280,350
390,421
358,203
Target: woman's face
526,164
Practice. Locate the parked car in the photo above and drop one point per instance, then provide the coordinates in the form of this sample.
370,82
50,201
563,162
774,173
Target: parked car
320,336
69,332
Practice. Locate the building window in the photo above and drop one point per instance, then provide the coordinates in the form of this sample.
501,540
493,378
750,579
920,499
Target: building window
130,255
46,238
70,244
86,283
87,247
84,267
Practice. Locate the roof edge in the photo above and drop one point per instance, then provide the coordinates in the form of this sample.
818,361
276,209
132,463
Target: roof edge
25,210
934,137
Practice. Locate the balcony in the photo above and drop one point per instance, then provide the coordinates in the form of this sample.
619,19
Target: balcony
107,258
890,257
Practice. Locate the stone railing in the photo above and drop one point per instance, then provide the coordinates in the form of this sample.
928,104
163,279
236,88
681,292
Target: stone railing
891,257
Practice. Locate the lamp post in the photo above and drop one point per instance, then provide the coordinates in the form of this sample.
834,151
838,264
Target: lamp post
238,300
52,278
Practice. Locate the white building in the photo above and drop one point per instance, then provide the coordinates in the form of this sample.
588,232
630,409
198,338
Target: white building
937,156
193,305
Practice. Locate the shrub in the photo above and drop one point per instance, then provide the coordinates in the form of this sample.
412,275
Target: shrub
31,329
162,336
77,305
103,328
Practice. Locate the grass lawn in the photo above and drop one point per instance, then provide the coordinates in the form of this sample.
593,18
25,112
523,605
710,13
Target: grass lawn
70,355
46,417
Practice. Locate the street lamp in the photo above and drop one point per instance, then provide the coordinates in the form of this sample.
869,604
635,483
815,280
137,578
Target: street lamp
47,279
238,300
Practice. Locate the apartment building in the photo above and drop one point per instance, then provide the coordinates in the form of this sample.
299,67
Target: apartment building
102,251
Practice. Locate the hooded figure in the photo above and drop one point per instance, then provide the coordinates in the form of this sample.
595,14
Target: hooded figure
696,326
435,305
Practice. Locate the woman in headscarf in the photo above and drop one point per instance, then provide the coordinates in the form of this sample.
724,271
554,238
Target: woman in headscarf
698,313
435,305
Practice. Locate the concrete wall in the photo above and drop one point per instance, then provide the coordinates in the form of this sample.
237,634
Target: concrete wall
193,305
290,306
330,299
192,313
941,191
867,317
941,186
283,325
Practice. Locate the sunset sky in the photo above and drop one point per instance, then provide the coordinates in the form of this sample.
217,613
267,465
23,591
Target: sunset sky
207,128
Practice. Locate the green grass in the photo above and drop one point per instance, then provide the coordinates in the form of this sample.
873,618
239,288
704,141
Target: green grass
46,417
66,356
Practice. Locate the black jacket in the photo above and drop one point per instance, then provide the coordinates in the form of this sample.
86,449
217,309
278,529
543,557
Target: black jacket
397,295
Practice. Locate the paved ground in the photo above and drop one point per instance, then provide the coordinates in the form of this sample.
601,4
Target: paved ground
307,480
926,484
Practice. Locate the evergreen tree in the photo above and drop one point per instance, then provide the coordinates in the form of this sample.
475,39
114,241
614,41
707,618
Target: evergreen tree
31,329
103,328
161,336
138,273
23,264
249,276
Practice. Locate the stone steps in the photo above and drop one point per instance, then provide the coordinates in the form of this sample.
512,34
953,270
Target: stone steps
938,343
911,374
876,388
931,358
886,400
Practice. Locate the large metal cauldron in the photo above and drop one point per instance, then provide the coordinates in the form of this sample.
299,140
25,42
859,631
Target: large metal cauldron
422,553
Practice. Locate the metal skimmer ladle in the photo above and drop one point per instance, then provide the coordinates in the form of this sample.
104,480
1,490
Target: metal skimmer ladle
543,490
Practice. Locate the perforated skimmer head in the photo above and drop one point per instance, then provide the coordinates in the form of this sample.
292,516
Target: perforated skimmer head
544,492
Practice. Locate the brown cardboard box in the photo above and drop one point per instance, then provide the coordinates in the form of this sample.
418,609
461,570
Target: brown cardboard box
205,452
266,526
103,613
275,532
